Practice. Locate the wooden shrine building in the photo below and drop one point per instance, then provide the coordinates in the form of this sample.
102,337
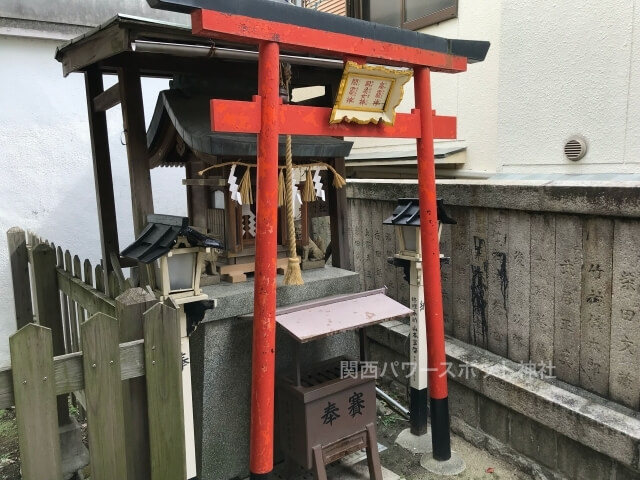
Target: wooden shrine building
180,133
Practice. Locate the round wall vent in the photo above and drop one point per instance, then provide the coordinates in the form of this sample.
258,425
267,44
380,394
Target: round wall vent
575,148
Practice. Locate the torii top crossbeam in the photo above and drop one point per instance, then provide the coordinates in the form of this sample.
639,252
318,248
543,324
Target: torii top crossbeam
275,26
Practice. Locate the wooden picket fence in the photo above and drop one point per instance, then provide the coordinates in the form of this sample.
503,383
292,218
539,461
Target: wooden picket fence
118,355
36,262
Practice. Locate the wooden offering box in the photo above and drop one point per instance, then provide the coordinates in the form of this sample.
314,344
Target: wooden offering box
330,410
330,405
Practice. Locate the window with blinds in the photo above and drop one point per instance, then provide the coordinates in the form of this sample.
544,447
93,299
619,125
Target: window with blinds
409,14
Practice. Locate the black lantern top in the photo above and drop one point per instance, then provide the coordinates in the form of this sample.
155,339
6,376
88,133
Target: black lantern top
160,236
407,213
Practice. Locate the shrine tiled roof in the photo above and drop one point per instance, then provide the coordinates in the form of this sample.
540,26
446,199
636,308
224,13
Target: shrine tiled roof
190,115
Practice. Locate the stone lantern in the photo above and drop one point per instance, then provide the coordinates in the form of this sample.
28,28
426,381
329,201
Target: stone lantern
176,253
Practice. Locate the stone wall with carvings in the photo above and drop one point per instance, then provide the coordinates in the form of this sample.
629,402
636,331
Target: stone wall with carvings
547,274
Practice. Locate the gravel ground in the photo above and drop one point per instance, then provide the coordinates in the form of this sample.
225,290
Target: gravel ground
9,450
481,465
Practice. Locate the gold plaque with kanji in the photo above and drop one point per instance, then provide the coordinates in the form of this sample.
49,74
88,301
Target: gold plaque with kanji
369,94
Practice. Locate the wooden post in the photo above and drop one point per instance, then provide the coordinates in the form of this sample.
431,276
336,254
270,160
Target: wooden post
101,279
197,201
137,152
102,171
338,209
48,302
64,300
19,259
35,400
163,361
72,332
130,307
82,313
103,392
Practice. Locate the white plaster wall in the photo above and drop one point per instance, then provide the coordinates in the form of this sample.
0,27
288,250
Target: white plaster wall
632,143
472,96
46,176
554,69
569,67
82,12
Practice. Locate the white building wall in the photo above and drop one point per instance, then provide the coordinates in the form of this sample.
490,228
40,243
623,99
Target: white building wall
632,143
472,96
569,68
555,69
46,179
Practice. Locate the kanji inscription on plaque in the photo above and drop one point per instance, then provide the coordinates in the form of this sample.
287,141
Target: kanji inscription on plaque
369,94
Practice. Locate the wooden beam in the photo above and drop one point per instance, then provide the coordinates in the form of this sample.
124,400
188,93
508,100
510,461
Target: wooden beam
69,375
222,72
242,29
102,172
84,295
197,201
237,116
107,99
137,152
102,45
338,212
204,182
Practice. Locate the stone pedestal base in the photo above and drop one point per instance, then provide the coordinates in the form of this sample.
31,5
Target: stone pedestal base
454,466
415,443
221,366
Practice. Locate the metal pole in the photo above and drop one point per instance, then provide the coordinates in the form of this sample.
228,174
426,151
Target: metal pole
264,323
397,406
193,50
439,401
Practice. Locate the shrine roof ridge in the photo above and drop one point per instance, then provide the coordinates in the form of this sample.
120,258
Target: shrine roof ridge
189,114
473,50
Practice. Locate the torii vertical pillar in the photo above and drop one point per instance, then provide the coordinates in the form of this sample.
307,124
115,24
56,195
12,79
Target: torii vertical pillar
264,325
438,392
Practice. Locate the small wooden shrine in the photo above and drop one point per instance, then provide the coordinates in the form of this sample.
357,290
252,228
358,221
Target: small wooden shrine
180,135
221,174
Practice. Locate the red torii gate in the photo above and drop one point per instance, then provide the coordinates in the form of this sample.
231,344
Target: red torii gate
237,21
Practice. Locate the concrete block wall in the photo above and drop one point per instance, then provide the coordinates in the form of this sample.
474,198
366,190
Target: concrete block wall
541,426
544,274
537,449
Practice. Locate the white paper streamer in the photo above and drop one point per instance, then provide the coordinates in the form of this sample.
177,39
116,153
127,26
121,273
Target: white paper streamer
251,226
317,183
233,185
294,188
